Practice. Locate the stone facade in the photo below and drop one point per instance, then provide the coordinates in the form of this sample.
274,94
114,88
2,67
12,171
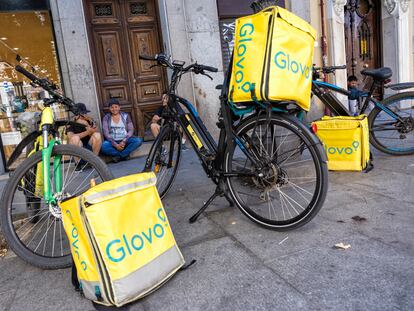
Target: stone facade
397,33
190,31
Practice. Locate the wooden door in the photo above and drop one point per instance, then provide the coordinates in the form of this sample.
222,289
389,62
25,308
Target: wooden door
119,31
362,36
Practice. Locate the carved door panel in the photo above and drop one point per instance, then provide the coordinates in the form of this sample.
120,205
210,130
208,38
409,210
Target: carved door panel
362,36
120,30
148,81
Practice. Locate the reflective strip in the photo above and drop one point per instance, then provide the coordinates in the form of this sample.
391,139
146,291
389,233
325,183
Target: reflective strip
148,278
97,197
88,289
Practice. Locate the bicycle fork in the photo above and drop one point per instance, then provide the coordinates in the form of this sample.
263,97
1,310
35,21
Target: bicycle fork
57,173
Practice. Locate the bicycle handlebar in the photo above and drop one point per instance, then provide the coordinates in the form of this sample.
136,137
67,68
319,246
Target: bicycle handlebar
163,60
145,57
208,68
28,74
329,69
51,88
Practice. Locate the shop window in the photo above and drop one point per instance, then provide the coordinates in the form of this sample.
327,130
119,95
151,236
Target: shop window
229,10
26,38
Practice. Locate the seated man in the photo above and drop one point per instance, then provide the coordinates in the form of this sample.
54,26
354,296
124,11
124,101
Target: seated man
354,98
156,119
118,131
88,136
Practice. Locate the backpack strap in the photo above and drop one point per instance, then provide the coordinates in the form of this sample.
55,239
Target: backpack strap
75,280
186,266
370,164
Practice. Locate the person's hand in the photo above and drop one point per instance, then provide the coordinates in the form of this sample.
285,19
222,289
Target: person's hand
91,130
122,144
119,147
165,100
156,118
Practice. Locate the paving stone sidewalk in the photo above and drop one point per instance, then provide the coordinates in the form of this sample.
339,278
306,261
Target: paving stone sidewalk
241,266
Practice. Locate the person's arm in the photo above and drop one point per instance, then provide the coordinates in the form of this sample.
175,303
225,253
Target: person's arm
105,129
129,128
70,130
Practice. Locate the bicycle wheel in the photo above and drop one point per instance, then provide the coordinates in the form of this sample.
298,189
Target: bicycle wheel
395,137
291,175
164,158
33,228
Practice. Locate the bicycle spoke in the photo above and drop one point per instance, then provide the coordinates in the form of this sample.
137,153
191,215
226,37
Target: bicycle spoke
61,240
53,240
48,215
395,136
86,179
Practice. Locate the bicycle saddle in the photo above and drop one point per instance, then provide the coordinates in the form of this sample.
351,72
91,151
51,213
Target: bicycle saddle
380,74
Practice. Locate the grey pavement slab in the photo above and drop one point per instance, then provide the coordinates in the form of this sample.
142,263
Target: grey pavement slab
368,276
47,290
241,266
225,277
386,220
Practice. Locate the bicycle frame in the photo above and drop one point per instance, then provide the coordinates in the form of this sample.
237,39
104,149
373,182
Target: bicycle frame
201,140
331,101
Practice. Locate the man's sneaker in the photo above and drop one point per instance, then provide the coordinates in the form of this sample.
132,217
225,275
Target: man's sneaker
126,158
116,159
184,147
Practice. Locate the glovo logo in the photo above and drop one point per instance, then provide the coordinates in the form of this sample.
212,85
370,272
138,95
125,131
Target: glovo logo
74,234
246,34
117,250
343,150
285,62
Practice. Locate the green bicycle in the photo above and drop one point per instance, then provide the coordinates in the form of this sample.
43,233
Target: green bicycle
30,215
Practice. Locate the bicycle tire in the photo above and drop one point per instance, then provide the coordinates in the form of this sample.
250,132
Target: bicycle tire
11,214
379,115
283,177
156,157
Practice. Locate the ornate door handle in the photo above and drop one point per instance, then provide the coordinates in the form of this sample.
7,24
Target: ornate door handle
150,92
116,96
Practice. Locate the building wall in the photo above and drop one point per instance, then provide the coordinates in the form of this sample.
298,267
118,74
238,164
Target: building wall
194,37
190,31
75,57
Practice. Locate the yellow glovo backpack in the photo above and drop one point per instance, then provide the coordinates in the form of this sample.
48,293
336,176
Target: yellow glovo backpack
272,58
121,241
346,142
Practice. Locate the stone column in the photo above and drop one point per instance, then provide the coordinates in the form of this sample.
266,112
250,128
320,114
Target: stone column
336,41
193,35
175,41
74,54
398,38
205,48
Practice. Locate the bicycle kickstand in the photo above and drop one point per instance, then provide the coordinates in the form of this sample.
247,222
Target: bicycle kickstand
216,193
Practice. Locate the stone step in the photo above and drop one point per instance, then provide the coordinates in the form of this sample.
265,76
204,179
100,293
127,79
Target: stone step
142,151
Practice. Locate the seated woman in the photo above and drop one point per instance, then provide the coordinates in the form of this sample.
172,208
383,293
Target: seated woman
118,131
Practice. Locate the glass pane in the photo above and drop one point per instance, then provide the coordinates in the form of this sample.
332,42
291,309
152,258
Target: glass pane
28,37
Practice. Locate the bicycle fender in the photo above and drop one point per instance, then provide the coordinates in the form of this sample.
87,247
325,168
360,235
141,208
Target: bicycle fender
23,144
400,86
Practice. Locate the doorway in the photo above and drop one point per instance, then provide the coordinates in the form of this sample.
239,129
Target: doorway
119,31
363,36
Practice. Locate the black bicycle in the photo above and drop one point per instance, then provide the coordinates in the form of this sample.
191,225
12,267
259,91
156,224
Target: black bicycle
391,121
268,163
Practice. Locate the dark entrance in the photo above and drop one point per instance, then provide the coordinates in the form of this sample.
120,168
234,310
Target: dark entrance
362,35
